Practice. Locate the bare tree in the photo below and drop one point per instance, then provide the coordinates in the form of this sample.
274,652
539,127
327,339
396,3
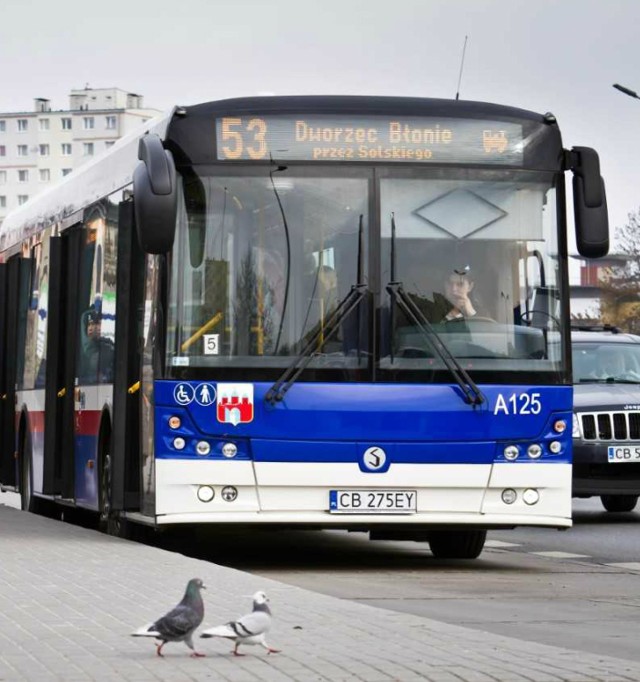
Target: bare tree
620,281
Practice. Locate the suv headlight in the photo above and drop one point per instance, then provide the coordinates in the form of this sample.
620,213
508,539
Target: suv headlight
575,431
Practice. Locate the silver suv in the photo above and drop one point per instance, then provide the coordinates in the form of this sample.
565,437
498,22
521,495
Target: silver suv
606,420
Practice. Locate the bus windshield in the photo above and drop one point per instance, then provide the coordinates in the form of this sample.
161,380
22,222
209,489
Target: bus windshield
264,256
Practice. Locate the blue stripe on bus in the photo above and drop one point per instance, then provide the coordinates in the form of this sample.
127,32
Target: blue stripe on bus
375,412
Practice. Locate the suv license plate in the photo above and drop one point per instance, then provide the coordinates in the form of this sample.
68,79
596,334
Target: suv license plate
372,501
619,454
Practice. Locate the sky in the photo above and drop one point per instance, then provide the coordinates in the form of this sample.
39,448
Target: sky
561,56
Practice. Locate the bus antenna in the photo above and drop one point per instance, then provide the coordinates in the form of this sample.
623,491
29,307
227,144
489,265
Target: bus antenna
464,49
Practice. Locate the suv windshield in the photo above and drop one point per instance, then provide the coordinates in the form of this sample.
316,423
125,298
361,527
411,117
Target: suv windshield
608,362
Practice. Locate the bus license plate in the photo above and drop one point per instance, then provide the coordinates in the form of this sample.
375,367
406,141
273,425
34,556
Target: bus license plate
619,454
372,501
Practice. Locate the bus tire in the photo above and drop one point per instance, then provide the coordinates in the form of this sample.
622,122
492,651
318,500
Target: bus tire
27,501
457,544
619,503
110,521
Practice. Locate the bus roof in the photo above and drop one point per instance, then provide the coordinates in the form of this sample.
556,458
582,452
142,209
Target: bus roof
363,104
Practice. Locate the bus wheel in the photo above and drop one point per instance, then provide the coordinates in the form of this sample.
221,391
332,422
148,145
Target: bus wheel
619,503
110,521
457,544
27,500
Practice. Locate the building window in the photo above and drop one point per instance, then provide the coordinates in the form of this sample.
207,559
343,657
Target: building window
44,124
3,201
88,122
23,125
22,199
66,149
66,123
45,175
111,122
3,150
23,150
87,148
3,126
109,143
23,176
43,149
3,177
66,171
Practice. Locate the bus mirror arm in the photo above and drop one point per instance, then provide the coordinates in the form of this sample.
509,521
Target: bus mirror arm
589,203
155,196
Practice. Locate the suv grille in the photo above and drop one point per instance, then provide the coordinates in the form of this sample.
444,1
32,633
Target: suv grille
610,426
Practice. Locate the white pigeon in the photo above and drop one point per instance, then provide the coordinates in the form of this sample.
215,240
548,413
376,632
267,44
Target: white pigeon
250,629
181,622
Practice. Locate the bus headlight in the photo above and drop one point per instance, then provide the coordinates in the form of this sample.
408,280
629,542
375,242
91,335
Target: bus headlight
560,426
174,422
203,448
530,496
511,452
509,495
555,446
179,443
229,450
534,451
206,493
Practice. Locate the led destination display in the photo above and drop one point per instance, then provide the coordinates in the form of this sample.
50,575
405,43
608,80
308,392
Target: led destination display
369,138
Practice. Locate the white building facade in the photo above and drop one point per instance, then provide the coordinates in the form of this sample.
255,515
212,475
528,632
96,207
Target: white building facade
39,147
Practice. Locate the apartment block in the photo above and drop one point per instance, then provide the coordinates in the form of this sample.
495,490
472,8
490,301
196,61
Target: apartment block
39,147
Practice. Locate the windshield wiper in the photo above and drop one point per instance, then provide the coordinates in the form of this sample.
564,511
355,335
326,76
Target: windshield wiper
312,349
471,393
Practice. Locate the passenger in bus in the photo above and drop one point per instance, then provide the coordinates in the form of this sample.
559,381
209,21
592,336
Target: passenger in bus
97,357
458,288
458,302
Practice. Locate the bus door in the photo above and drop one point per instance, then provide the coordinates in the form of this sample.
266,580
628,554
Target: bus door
125,444
14,289
62,353
57,480
93,335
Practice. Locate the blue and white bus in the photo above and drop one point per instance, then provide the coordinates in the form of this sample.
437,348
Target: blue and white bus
245,313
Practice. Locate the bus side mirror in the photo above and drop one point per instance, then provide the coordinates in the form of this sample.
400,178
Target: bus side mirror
589,203
155,196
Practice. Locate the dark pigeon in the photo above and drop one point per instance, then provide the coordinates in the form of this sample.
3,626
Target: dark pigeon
181,622
250,629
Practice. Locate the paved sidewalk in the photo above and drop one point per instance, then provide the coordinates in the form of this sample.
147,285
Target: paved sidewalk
69,598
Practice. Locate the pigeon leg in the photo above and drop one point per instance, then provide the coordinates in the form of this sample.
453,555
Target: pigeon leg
235,650
194,654
269,649
159,649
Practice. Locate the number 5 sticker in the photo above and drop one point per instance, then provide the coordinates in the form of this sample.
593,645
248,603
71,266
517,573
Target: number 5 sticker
211,344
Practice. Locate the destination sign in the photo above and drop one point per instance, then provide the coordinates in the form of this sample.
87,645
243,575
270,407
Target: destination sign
369,139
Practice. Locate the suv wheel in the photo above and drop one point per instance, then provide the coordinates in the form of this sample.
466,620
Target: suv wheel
619,503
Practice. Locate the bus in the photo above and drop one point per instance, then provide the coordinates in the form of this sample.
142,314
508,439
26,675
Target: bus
318,312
